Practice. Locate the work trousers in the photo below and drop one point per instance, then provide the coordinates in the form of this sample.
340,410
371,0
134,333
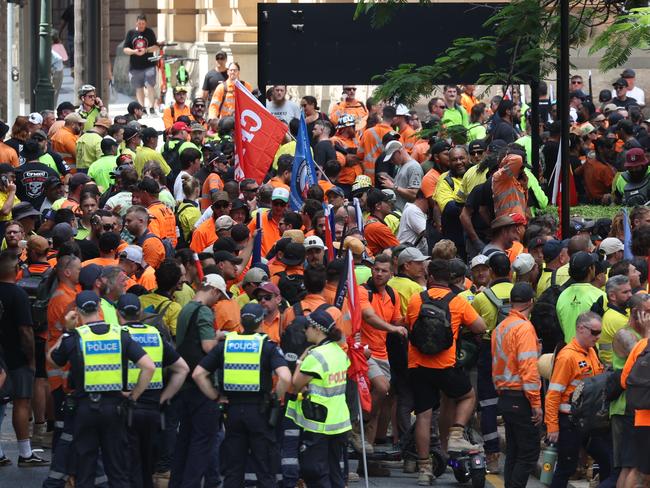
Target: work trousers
451,228
100,425
598,445
290,447
487,398
195,444
522,439
321,459
142,433
248,434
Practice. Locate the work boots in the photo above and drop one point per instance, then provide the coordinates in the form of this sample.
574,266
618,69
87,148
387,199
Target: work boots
425,472
458,443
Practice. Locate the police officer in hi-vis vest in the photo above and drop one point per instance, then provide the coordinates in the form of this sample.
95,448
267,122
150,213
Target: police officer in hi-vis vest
321,411
245,364
144,418
98,354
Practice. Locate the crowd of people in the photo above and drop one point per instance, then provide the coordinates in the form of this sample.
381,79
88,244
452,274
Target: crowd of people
163,323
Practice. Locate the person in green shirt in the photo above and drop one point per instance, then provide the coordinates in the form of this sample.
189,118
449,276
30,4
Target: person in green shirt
478,121
89,144
581,296
100,170
454,114
619,292
197,137
113,286
148,152
555,256
91,107
161,300
410,272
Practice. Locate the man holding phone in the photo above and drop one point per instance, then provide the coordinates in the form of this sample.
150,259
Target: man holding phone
140,44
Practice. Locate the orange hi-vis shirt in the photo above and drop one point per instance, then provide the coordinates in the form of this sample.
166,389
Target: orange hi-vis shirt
420,151
147,279
276,266
345,324
162,222
270,231
348,173
169,119
378,235
510,196
370,147
429,183
65,143
290,270
223,100
211,184
153,252
641,417
276,182
101,262
468,101
462,314
408,138
514,358
61,303
272,328
515,250
572,365
8,155
310,303
388,311
355,108
227,316
203,236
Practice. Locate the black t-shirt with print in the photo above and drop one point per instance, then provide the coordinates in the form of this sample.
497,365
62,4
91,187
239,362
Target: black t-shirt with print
135,40
30,181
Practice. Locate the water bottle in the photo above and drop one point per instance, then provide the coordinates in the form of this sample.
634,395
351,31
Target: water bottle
549,458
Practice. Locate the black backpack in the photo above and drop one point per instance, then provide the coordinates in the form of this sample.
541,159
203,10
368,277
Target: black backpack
503,306
544,317
172,156
293,340
39,287
432,332
292,287
371,289
590,402
167,244
635,193
638,382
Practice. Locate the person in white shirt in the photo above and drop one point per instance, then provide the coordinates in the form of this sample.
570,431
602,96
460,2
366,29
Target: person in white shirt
190,164
280,107
413,223
633,91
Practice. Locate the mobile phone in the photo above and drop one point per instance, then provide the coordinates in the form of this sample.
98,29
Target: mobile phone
4,179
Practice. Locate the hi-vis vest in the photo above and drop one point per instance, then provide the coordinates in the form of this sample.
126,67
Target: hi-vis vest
149,339
102,355
241,362
328,391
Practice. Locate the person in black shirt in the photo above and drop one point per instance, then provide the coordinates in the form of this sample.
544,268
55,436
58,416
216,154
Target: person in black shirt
217,75
621,99
503,128
324,149
140,44
32,176
246,426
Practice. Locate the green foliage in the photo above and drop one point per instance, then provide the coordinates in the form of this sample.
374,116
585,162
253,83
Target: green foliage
629,31
589,212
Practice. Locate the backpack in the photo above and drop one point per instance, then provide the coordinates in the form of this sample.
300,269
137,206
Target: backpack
182,242
371,289
590,403
544,317
635,193
432,332
638,382
156,318
167,243
503,306
39,287
293,340
292,287
171,155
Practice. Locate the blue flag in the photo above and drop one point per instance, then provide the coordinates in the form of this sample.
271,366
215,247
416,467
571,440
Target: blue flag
303,173
257,244
627,236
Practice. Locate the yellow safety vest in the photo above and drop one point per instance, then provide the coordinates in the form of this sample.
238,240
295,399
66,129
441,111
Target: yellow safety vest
331,364
241,362
102,355
149,339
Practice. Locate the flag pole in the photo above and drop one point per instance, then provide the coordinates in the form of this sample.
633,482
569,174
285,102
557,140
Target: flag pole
322,172
363,440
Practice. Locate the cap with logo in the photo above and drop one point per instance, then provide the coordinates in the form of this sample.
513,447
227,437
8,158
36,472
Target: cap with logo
523,263
35,118
224,222
611,245
87,301
280,194
252,315
479,260
314,242
128,304
216,281
635,157
133,254
391,148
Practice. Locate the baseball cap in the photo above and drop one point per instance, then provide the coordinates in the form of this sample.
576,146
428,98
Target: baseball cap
536,242
149,133
523,263
294,254
479,260
133,254
128,304
628,73
477,145
410,254
374,197
252,315
88,301
39,135
37,244
635,157
225,222
610,245
552,249
74,117
88,275
220,196
581,260
314,242
103,122
225,244
24,210
320,319
337,190
457,268
440,146
296,235
391,148
198,100
280,194
179,126
215,281
255,275
63,232
521,292
196,127
78,179
610,107
496,145
268,287
220,256
620,82
130,133
35,118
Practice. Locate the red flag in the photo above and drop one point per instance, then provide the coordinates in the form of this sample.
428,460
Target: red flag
358,370
329,233
258,135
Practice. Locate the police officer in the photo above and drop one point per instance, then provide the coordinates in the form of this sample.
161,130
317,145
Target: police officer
144,418
98,354
246,362
321,411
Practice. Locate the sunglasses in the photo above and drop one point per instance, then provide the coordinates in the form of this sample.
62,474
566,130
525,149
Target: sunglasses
350,89
476,153
199,105
223,205
619,87
441,106
250,190
576,82
594,332
265,298
279,203
107,227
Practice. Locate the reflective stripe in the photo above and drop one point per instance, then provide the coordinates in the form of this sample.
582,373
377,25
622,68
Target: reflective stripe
289,462
321,359
488,402
57,372
292,433
522,356
556,387
329,391
491,436
56,475
106,387
316,426
66,437
507,377
250,476
242,366
101,480
575,382
59,424
531,386
565,408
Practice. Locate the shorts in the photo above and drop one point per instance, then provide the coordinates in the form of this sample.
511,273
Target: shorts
428,382
622,432
22,382
641,442
378,367
140,77
39,357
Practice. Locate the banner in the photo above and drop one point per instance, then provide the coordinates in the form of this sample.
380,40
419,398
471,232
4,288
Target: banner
329,232
258,134
257,243
303,173
627,236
